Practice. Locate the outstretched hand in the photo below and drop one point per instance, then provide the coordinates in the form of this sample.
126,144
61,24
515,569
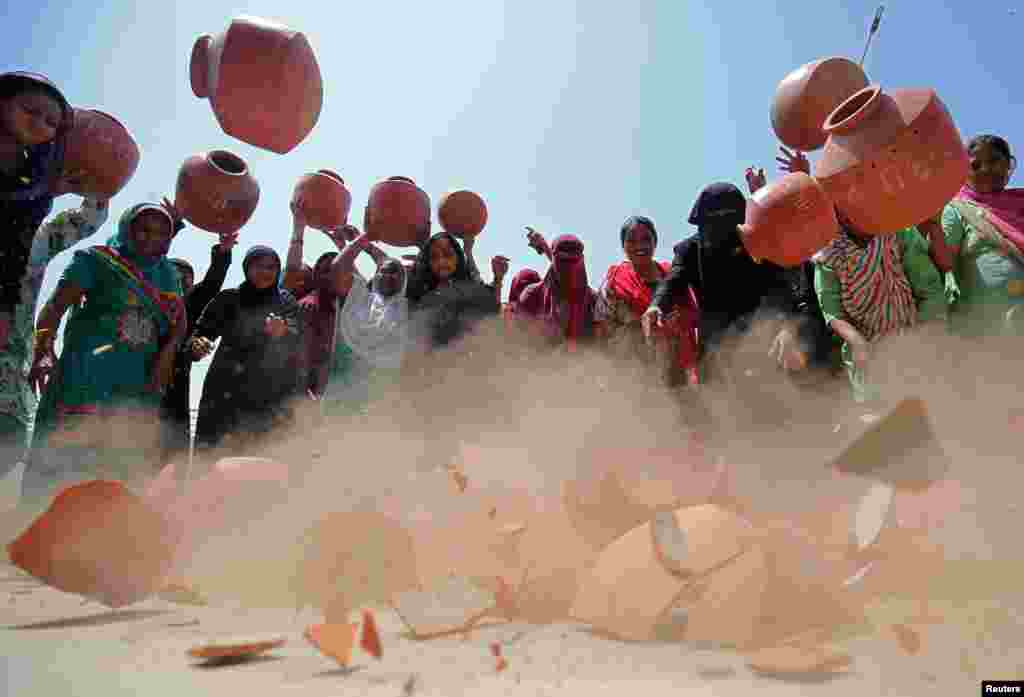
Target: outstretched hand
536,241
755,179
793,161
176,215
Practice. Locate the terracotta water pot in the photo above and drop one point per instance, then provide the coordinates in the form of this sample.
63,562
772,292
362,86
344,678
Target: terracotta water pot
262,80
398,213
789,220
327,199
216,191
892,159
462,213
101,156
805,98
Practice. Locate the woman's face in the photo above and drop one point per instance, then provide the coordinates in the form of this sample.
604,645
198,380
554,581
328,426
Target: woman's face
989,171
389,278
322,272
639,244
31,118
152,234
262,272
443,260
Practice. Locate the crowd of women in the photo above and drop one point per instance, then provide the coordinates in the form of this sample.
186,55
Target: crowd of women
291,335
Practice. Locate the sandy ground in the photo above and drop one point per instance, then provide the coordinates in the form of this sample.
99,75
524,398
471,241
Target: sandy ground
52,643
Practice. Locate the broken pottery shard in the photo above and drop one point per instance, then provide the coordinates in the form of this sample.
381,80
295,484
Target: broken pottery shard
697,539
669,541
370,642
909,640
236,647
600,509
794,660
356,558
728,611
333,640
447,606
872,513
900,449
628,590
99,540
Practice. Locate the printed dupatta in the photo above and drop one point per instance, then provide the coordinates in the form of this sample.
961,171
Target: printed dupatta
166,307
876,294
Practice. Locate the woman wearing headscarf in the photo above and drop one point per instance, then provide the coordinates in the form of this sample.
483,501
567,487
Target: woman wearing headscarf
563,302
447,314
99,412
372,332
984,230
35,119
626,294
177,403
252,377
873,287
446,299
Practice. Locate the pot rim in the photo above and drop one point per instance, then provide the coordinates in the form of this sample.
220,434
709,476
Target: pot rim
399,178
857,107
228,155
331,174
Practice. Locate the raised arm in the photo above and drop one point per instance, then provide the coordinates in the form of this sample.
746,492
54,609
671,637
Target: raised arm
293,274
220,261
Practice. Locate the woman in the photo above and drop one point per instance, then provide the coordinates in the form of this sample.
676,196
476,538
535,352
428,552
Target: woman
17,398
372,332
177,403
626,294
984,229
446,306
444,295
35,119
252,375
126,324
873,287
563,302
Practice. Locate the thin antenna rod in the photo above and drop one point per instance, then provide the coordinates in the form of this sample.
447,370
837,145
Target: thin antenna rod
871,34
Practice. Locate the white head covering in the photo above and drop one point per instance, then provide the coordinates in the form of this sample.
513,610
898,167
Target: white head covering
375,327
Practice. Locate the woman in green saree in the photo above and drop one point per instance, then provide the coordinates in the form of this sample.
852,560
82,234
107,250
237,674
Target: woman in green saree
984,229
98,415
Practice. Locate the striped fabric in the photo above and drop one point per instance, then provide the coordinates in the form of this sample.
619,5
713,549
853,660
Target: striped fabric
876,295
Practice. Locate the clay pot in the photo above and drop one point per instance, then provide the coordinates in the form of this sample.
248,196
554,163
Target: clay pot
216,191
101,156
327,199
462,213
805,98
892,159
789,220
262,80
398,213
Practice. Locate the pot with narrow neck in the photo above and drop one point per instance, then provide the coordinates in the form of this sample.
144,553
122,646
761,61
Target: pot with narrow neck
327,200
262,80
893,158
216,191
101,156
398,213
804,99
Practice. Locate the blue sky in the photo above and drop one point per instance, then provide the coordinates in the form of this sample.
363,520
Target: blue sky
566,115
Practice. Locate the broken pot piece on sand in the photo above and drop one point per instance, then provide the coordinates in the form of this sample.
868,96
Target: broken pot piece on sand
98,540
452,605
